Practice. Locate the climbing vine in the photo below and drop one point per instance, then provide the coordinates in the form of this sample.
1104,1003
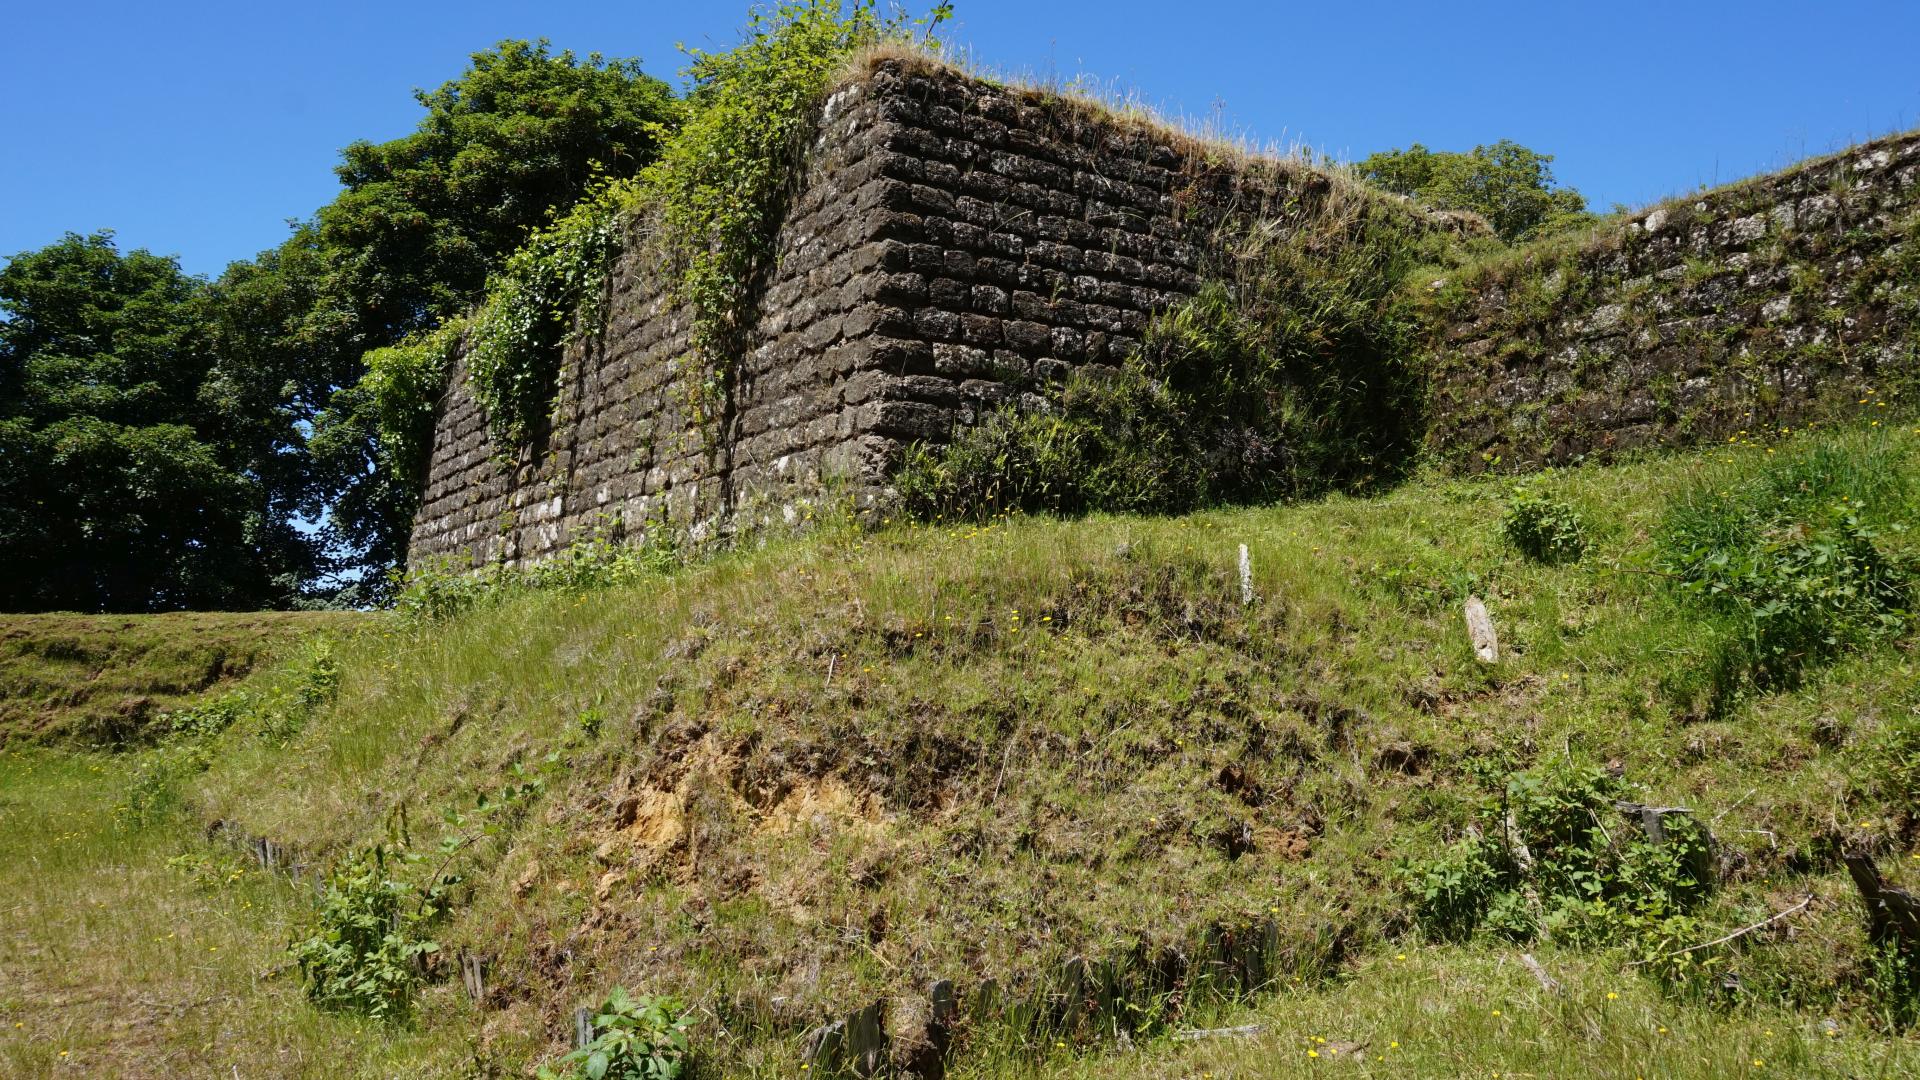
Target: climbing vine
549,292
401,384
713,200
719,186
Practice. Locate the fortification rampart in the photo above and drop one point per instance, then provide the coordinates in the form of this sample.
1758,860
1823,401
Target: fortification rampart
1781,300
950,244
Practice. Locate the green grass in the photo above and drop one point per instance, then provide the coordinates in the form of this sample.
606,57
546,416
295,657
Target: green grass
802,777
1476,1011
101,678
114,963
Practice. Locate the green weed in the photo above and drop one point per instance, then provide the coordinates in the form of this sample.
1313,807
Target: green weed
1545,529
634,1038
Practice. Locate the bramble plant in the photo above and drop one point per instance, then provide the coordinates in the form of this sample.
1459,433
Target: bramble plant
364,955
1545,529
1543,859
635,1038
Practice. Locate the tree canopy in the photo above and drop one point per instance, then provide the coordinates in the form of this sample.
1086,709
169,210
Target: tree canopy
1510,185
123,485
168,442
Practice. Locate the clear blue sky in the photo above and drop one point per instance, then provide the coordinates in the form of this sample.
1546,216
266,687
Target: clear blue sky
197,129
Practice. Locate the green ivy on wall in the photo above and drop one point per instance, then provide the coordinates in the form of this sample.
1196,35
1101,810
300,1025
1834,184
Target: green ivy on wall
713,201
549,292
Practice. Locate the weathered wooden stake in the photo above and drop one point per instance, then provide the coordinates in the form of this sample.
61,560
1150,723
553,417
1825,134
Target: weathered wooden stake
1486,644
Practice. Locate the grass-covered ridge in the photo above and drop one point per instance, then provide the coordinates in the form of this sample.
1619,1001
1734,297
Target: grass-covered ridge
103,678
793,781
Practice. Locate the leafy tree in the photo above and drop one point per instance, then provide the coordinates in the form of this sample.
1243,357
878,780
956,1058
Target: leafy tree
121,486
1508,184
421,222
521,134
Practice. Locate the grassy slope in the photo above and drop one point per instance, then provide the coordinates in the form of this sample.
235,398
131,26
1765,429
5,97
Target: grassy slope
113,963
797,779
99,678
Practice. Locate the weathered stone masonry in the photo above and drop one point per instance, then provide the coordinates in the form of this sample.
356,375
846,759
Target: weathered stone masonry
950,243
1781,300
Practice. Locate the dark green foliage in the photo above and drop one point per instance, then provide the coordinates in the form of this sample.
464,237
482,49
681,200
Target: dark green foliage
1453,892
720,186
364,955
1291,373
380,432
1508,184
547,290
124,485
1545,529
1554,849
522,133
1786,563
410,242
635,1038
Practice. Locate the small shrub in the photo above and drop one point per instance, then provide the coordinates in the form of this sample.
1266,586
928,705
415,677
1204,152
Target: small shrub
206,719
433,591
1545,529
154,792
1786,562
1580,879
1452,892
635,1038
365,954
437,591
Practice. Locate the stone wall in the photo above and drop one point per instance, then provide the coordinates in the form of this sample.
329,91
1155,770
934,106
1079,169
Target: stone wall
1780,301
951,243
